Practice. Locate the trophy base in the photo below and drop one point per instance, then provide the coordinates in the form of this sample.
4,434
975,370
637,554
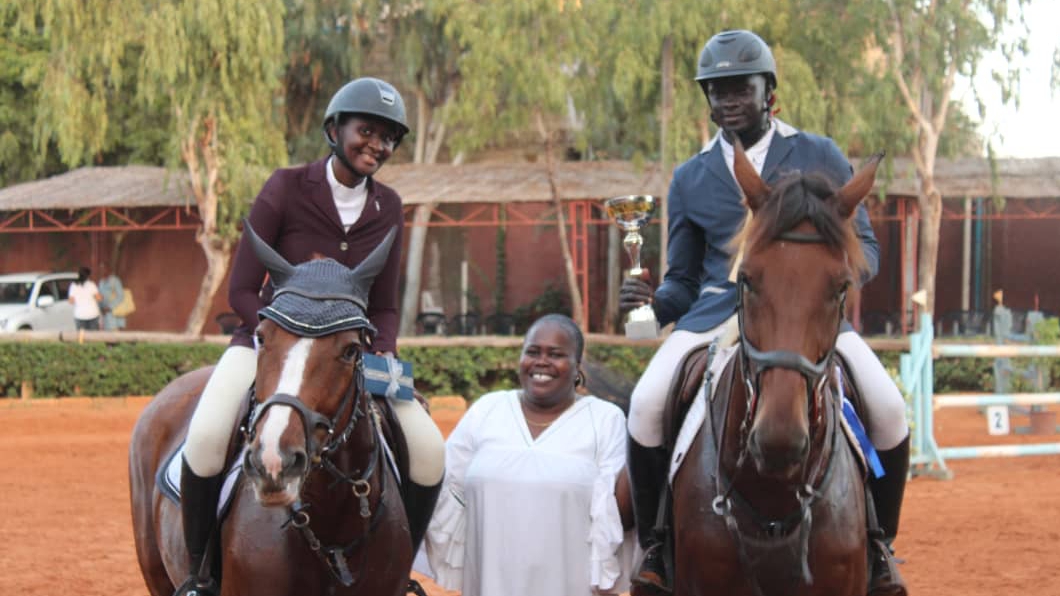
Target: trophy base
642,329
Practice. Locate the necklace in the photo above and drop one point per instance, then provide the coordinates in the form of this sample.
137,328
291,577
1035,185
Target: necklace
538,424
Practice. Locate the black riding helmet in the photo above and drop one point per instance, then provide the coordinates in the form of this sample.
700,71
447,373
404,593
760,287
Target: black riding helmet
734,53
369,96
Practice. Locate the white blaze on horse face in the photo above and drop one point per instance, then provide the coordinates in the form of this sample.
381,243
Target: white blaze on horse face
280,416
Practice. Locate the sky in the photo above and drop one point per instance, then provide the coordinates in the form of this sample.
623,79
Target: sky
1030,130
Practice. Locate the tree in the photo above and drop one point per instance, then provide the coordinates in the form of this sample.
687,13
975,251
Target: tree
213,66
926,45
518,62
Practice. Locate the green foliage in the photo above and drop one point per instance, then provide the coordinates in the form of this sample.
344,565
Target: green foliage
469,372
99,370
549,300
517,61
65,369
629,361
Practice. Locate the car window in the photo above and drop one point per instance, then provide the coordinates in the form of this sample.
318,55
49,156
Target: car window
15,292
47,288
64,288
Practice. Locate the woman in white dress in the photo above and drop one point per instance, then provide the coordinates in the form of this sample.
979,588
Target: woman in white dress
529,505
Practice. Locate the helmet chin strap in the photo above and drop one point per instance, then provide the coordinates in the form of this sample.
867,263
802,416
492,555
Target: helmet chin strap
337,150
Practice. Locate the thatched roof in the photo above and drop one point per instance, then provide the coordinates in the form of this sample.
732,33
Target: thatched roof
145,186
104,186
1037,178
521,182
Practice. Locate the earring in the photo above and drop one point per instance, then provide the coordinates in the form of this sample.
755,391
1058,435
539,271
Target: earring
579,380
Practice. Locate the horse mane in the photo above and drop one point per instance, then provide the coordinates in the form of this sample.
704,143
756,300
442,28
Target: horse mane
796,198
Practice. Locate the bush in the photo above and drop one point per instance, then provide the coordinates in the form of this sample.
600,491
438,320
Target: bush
99,370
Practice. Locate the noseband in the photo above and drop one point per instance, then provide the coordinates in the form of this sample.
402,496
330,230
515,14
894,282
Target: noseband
754,362
313,420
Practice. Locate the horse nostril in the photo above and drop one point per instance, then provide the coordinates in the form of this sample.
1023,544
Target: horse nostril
252,463
297,462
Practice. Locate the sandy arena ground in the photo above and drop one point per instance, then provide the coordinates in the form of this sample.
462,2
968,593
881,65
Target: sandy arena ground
993,530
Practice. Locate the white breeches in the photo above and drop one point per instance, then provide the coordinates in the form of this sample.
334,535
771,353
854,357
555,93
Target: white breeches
884,404
215,418
886,411
425,443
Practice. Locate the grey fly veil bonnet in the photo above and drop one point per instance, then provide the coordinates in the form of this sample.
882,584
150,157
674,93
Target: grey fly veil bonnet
322,296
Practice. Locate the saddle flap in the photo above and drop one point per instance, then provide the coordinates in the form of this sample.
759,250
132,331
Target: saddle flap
687,379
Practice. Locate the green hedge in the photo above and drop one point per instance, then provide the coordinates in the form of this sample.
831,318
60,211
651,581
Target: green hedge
96,369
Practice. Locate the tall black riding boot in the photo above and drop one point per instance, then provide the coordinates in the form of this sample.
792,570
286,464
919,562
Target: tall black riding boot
198,506
887,494
419,505
647,474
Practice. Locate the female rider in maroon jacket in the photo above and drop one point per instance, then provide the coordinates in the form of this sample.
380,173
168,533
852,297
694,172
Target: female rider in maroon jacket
330,208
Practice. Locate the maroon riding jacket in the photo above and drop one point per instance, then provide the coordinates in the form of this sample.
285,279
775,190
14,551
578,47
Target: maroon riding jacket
295,214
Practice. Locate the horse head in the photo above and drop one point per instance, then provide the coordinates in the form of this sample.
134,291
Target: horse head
309,385
800,256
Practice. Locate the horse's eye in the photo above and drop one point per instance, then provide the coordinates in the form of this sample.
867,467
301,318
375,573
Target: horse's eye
352,352
748,287
842,291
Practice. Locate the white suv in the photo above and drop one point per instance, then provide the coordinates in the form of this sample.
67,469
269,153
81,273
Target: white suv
36,301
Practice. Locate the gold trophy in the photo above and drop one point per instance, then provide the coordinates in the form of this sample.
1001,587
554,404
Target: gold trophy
631,213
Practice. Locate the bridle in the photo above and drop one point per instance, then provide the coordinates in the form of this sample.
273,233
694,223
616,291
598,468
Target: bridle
354,406
754,363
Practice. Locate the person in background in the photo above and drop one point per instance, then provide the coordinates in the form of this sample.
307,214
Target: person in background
738,76
529,504
112,291
330,208
85,297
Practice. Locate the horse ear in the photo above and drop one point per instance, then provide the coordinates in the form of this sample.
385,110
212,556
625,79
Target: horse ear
362,276
755,190
857,187
277,266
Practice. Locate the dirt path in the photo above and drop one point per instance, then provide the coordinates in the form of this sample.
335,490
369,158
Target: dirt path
64,514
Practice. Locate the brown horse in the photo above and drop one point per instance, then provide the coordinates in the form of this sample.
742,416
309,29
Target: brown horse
770,500
318,510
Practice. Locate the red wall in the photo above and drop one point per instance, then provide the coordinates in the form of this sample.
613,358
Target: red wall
164,268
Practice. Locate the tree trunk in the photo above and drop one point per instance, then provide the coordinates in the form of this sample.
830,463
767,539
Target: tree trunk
202,144
665,117
218,254
561,224
414,267
614,276
930,220
428,143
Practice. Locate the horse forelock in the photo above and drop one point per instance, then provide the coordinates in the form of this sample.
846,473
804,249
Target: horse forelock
797,198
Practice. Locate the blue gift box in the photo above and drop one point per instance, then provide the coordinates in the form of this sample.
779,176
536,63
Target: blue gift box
387,376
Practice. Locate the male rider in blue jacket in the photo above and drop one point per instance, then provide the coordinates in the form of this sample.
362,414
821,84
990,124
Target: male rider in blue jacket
737,73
